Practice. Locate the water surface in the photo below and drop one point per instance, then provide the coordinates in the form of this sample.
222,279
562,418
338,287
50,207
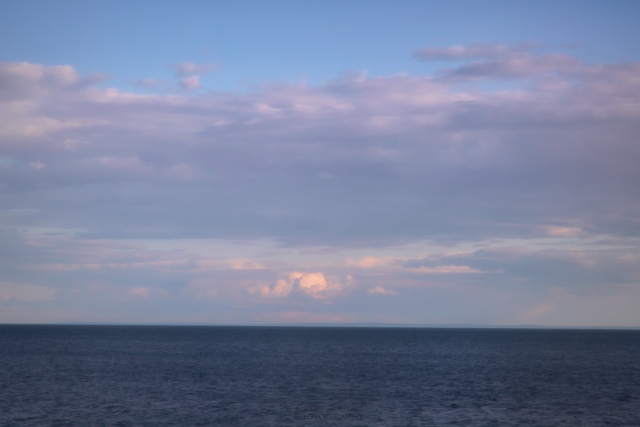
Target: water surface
287,376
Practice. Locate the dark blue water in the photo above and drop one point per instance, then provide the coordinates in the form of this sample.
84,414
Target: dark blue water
252,376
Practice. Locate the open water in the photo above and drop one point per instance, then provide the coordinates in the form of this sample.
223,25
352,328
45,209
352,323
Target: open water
286,376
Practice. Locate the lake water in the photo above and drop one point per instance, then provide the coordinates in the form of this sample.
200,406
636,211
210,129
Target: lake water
288,376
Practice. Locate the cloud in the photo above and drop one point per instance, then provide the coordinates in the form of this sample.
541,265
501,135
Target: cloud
281,288
369,262
411,157
20,81
244,264
201,289
188,69
150,83
357,168
474,51
190,83
576,271
288,317
188,72
314,285
519,66
447,269
141,292
500,61
562,231
190,284
24,292
378,290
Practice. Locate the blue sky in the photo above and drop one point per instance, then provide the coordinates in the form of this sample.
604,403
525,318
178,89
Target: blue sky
278,162
287,40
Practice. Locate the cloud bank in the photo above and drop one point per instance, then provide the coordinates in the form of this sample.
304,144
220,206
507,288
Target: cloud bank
506,144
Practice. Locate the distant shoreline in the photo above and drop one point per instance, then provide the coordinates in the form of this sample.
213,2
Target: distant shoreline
336,325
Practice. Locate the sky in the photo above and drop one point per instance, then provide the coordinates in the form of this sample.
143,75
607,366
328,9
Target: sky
334,162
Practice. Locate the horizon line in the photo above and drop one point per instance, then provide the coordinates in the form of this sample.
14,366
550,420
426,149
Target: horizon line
363,325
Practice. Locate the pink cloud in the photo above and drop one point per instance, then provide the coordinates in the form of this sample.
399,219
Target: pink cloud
314,285
141,292
244,264
369,262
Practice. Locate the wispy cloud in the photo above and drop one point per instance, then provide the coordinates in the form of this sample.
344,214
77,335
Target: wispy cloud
190,83
474,51
483,61
188,69
379,290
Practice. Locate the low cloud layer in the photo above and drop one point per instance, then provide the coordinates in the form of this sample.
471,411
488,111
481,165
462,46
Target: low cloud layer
508,143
